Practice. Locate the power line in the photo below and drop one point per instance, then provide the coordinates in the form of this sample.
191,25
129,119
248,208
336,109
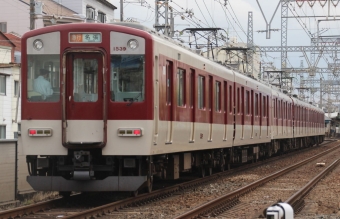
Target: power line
208,13
202,13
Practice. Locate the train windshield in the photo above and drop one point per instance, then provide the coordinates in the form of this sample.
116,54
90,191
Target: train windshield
85,80
127,78
43,78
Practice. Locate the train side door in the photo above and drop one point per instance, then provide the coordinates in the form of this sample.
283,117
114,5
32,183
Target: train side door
83,102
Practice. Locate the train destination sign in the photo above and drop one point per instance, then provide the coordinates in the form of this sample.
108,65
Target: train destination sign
85,37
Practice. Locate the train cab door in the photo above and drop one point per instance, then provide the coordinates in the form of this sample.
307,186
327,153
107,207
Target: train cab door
84,100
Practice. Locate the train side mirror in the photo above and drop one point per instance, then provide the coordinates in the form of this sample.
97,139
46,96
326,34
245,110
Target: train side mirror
280,211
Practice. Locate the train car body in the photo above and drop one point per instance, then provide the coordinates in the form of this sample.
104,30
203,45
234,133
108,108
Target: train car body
129,104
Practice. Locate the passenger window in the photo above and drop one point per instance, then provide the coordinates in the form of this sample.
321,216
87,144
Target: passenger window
180,87
218,96
201,88
246,105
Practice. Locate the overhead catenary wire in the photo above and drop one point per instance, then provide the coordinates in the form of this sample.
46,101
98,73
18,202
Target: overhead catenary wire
209,13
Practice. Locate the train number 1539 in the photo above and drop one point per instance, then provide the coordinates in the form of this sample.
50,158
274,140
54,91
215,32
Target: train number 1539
119,48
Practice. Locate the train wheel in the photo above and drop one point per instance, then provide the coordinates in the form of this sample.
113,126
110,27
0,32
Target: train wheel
210,171
202,172
134,193
150,184
222,163
163,173
222,167
65,194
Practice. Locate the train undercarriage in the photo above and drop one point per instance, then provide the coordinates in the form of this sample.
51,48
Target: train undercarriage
88,170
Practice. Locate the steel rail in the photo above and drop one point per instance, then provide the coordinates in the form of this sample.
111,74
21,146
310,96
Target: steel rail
296,200
224,202
30,209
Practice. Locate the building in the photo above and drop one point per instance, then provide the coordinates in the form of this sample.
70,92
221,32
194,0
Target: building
9,85
15,14
100,11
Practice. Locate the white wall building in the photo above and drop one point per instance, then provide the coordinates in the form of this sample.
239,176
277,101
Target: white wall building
9,105
9,86
100,11
15,14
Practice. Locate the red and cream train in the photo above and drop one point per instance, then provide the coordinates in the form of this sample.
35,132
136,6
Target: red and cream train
129,104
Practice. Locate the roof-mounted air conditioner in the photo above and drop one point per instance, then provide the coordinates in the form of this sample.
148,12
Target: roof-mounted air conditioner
90,13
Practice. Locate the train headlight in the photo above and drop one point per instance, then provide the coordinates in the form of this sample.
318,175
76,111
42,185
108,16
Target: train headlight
132,44
39,132
130,132
38,44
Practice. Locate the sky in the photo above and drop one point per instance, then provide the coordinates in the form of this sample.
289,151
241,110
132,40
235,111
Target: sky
232,16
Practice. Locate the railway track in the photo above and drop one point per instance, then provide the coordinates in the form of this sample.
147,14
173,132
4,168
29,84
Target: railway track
230,206
57,207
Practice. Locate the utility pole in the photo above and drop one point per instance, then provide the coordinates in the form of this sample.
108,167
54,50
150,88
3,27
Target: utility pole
121,11
165,28
32,15
250,44
320,93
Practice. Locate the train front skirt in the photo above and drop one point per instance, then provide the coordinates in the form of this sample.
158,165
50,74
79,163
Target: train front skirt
110,183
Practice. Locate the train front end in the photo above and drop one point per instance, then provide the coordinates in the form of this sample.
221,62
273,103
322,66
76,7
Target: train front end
87,112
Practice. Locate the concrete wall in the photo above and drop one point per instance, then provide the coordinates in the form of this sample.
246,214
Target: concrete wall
8,172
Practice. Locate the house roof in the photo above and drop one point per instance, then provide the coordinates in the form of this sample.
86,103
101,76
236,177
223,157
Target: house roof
3,65
5,41
15,40
107,4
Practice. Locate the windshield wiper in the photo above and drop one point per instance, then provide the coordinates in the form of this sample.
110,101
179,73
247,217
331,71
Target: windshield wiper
133,99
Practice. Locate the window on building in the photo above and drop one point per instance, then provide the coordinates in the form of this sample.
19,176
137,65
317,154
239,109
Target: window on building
3,27
101,17
2,132
200,95
180,87
16,88
2,85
